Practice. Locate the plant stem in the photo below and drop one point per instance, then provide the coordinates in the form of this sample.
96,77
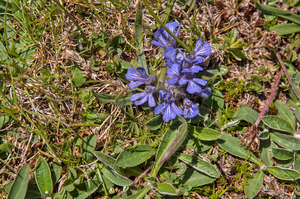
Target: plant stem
287,75
270,99
165,27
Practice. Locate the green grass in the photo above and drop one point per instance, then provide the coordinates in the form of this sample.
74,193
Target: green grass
64,95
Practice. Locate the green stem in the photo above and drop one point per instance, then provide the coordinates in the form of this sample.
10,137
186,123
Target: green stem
165,27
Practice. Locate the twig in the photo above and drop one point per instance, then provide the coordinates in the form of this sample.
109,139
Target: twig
269,100
287,75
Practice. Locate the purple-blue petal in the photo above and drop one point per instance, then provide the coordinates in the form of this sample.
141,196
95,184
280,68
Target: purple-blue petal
160,108
133,75
202,82
204,51
133,85
156,43
142,101
151,101
176,109
170,54
168,114
172,81
193,112
198,44
183,81
174,70
193,87
196,69
137,96
142,71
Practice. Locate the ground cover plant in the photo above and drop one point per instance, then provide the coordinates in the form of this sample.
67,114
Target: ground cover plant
149,99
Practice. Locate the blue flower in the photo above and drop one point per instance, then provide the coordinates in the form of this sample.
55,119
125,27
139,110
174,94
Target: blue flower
200,52
167,94
138,78
189,109
174,72
193,82
164,39
170,108
205,93
147,95
170,54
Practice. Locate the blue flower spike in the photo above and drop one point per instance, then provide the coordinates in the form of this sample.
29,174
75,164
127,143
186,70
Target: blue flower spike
147,95
170,108
138,79
189,109
164,39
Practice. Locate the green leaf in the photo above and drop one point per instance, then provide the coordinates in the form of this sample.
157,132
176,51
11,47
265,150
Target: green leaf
278,12
253,87
247,114
33,192
108,161
283,173
78,78
125,65
43,177
88,146
155,123
285,29
282,154
286,141
3,120
139,36
195,178
55,168
6,147
266,151
285,112
205,134
166,189
68,185
277,123
134,156
171,141
115,178
199,164
255,184
297,113
104,98
297,161
234,146
85,189
19,187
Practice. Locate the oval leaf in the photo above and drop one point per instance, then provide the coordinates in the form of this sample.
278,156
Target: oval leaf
283,173
255,184
277,123
234,146
286,141
115,178
19,186
199,164
122,101
43,177
266,151
195,178
108,161
134,156
166,189
282,154
205,134
247,114
155,123
285,112
88,146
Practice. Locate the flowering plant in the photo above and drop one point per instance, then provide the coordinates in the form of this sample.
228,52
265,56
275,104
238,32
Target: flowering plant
180,80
